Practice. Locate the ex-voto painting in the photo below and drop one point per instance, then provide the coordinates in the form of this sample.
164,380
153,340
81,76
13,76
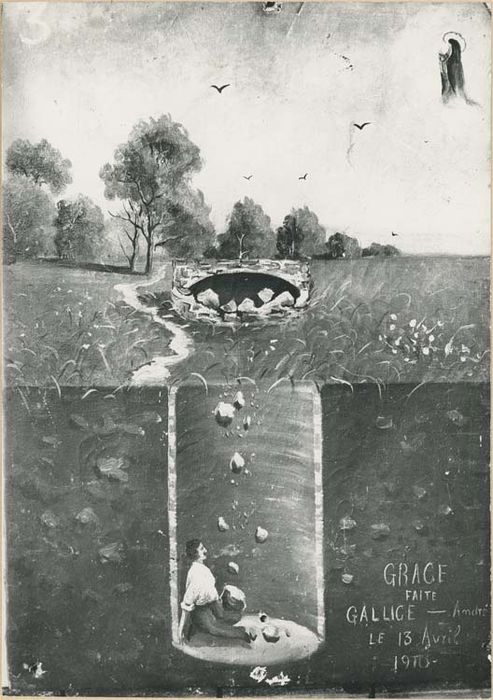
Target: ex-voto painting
246,348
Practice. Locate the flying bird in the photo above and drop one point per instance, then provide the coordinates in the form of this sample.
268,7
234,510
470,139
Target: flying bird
220,89
248,177
303,177
394,234
361,126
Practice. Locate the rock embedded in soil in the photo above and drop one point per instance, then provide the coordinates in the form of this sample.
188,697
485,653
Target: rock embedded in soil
247,421
112,468
347,578
49,519
87,516
419,492
236,463
111,553
384,422
224,413
347,523
380,531
208,298
261,534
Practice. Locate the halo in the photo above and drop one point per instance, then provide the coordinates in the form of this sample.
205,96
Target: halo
458,38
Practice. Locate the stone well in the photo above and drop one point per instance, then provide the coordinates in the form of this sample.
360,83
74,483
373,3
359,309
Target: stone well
231,291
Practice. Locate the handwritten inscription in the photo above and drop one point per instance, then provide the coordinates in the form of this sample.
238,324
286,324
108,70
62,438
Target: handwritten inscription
423,625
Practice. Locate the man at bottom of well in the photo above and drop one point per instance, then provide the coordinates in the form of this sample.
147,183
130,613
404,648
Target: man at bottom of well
201,606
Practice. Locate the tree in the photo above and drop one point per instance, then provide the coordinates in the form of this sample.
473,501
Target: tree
28,214
382,251
289,238
248,233
190,231
340,245
132,231
41,163
79,229
151,173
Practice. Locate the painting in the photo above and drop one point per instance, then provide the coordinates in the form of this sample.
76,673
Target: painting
246,277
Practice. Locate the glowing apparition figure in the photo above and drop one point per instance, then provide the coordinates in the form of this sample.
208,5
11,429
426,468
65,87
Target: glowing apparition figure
255,496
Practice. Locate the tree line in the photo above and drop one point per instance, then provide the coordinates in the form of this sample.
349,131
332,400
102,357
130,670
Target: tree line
158,208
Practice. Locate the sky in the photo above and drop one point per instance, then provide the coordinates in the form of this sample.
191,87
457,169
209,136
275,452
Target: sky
82,74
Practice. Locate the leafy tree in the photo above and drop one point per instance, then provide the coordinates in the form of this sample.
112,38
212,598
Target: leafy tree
189,231
41,163
340,245
28,214
289,238
248,233
151,173
378,250
300,234
79,229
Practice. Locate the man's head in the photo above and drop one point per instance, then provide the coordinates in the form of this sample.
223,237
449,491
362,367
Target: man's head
195,550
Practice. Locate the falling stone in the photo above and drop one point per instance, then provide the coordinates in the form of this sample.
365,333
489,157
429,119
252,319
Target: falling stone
246,306
208,298
265,294
247,422
222,525
239,400
261,534
347,578
224,413
384,422
420,527
230,307
236,463
380,531
271,633
347,523
233,567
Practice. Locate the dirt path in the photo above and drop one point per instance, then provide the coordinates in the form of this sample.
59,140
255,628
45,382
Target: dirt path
156,371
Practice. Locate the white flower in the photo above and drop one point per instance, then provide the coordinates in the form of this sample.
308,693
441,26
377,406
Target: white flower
406,359
440,324
426,351
398,340
462,358
412,323
431,338
86,346
392,327
393,317
380,337
465,349
448,348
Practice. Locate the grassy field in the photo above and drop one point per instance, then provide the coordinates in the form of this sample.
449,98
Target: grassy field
380,321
